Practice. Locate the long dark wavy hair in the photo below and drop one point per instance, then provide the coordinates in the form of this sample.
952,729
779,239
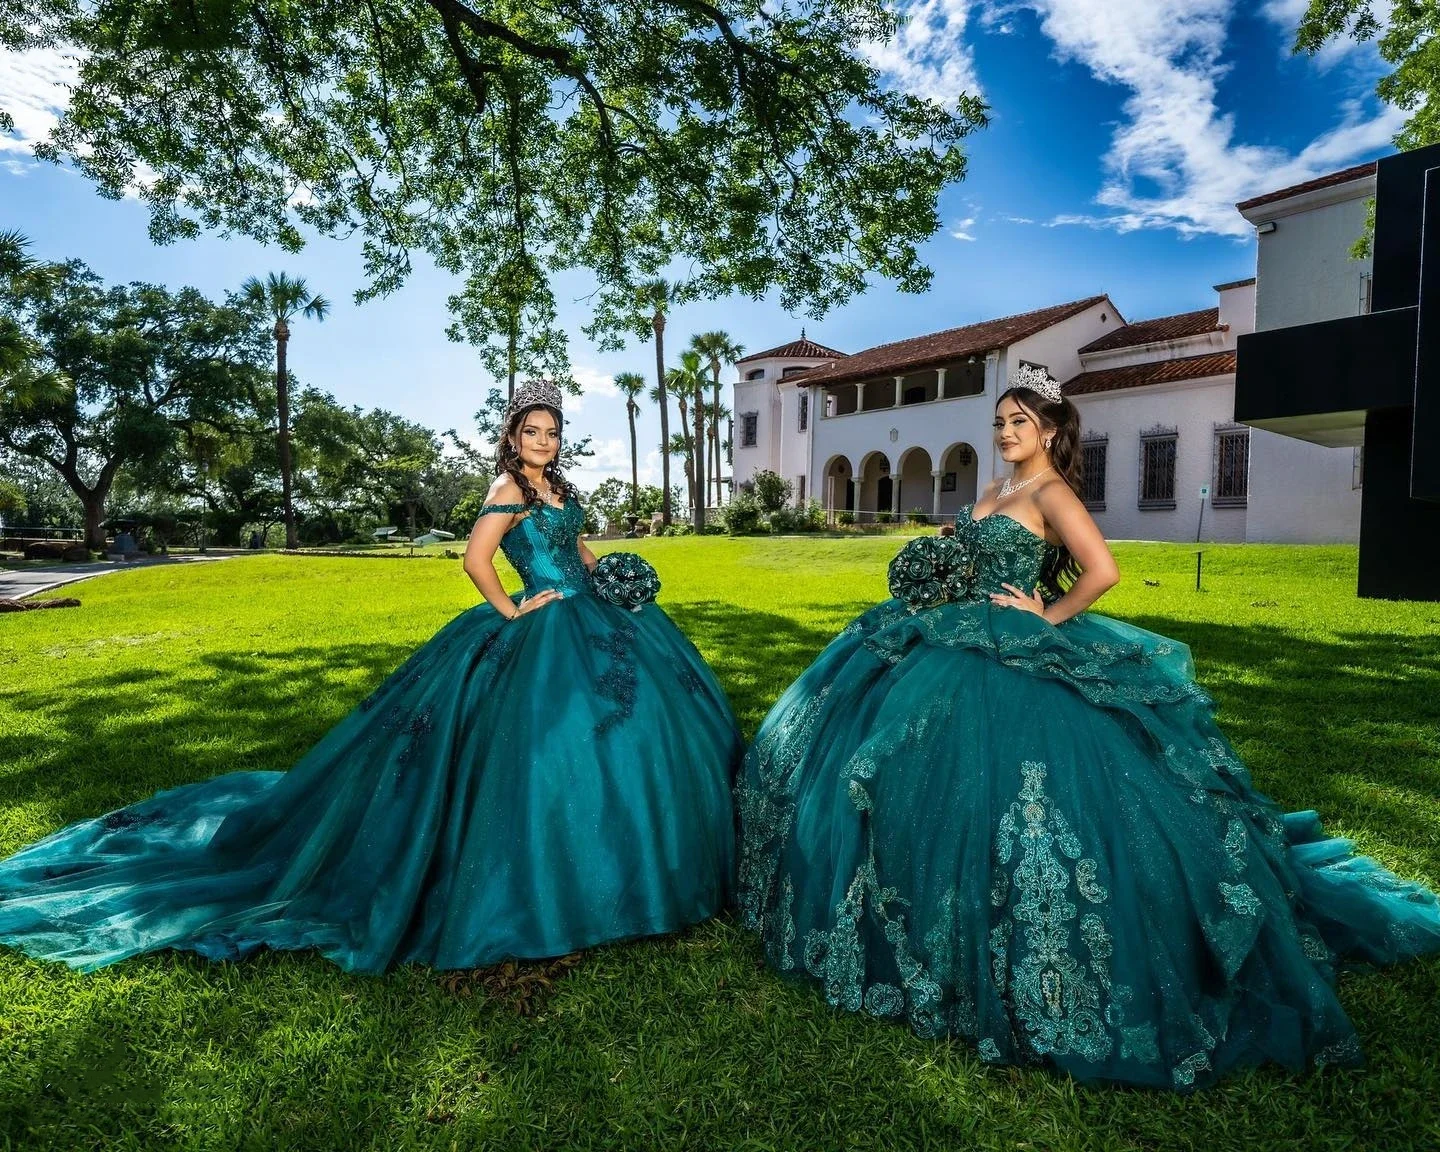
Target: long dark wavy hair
1060,420
507,459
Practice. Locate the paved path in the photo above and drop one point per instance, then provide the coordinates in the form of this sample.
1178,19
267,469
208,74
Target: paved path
16,584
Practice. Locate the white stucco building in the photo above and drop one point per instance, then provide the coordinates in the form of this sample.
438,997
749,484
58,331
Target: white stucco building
907,426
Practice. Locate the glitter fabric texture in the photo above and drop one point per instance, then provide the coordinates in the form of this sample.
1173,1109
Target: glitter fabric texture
514,789
1036,838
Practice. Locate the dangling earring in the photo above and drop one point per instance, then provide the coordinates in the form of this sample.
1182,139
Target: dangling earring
1048,441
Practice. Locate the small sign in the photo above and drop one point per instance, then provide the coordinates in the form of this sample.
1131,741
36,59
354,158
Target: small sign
1204,491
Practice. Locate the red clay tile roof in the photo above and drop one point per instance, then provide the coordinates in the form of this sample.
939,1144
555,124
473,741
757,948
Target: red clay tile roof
939,347
1161,328
1344,176
802,348
1158,372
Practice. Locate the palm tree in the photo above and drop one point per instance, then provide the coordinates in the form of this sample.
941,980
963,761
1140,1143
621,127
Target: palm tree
631,385
687,382
284,298
719,349
717,414
657,295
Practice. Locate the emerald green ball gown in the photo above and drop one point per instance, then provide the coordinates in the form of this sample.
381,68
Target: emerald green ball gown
1034,837
514,789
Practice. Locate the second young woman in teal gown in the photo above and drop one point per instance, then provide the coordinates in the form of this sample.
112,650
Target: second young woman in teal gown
550,772
992,815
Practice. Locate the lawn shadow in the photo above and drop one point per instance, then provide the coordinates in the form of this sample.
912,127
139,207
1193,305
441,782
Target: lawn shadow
103,746
754,654
1348,725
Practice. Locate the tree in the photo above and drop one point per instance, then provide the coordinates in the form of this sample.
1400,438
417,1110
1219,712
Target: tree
687,382
113,374
1409,43
772,490
283,299
632,385
718,349
754,141
656,296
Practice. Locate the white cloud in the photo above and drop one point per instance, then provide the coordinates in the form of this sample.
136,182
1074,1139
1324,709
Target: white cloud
929,56
612,459
34,90
961,229
1174,162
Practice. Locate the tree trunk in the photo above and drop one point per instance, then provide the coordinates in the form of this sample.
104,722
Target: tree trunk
702,477
659,324
634,462
514,339
282,411
94,520
684,404
715,444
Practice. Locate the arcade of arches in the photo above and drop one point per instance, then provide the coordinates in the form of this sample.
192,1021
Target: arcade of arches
901,482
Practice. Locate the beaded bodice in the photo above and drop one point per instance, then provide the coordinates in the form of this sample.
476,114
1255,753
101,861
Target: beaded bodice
543,547
1006,552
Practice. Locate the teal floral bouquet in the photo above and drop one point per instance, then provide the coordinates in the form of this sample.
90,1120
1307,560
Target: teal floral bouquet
626,580
931,570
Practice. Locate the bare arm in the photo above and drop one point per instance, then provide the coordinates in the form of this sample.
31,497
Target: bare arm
479,563
1068,518
586,556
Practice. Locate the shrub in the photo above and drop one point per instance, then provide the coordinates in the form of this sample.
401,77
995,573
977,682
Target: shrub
884,518
783,520
845,518
918,516
742,515
772,490
812,516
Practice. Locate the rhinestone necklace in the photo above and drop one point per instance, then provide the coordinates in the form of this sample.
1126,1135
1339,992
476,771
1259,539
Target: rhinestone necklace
1008,488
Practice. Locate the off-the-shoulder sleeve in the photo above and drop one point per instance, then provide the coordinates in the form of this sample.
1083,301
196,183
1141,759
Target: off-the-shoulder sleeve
511,508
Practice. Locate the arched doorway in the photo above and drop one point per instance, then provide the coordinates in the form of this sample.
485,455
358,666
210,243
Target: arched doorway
876,488
959,471
917,486
838,492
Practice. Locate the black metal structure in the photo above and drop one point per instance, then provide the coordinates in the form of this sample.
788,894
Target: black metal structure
1374,380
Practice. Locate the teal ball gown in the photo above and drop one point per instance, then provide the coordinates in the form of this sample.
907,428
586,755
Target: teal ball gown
514,789
1035,837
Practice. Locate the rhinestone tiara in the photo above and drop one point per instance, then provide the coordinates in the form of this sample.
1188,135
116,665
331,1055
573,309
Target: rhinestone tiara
534,392
1037,380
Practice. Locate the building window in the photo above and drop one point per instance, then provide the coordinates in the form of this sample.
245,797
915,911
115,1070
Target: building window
1093,453
804,411
1367,292
792,369
1232,467
755,374
1157,468
749,429
1357,468
800,491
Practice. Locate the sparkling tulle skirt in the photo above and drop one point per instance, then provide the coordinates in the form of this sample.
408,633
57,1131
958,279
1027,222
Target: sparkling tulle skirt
1037,839
516,789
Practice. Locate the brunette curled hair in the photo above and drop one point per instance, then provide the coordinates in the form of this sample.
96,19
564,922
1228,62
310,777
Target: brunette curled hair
1059,420
507,458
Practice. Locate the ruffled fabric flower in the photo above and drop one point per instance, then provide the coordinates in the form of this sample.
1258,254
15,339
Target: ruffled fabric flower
932,569
626,580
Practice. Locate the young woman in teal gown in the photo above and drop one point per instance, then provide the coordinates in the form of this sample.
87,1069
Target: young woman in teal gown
993,815
551,771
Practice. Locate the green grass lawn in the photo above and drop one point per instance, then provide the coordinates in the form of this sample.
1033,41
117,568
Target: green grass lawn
170,674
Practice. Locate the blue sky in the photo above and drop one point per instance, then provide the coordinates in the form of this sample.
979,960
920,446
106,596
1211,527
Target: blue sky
1123,132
